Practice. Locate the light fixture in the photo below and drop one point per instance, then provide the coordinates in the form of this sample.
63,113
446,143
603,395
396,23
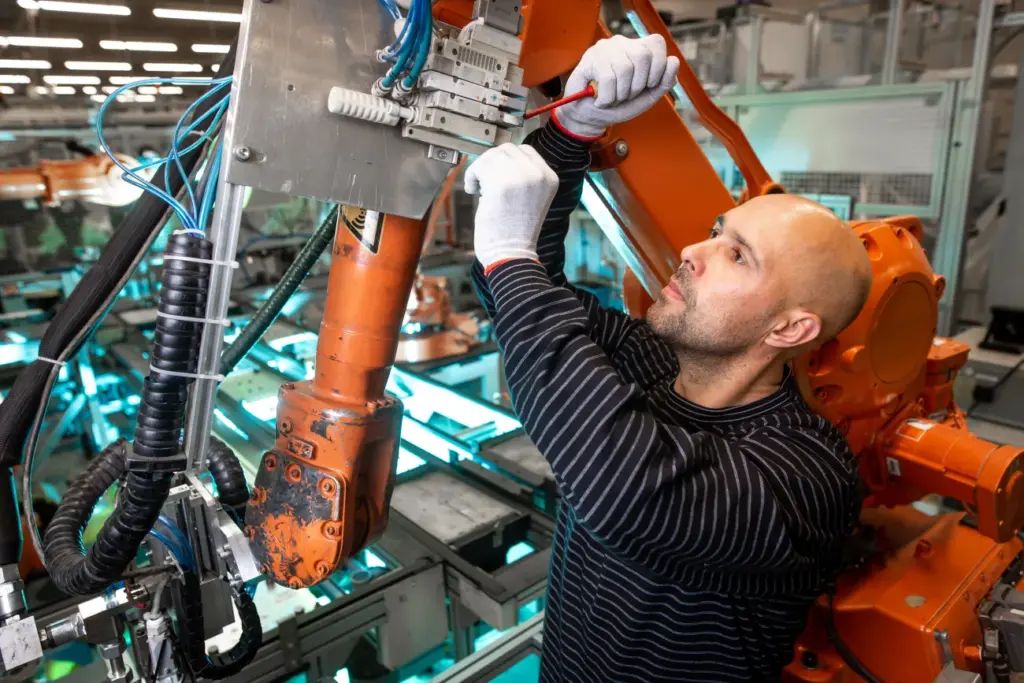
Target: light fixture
98,66
76,7
110,89
197,15
89,90
98,98
215,68
138,46
148,90
72,80
125,80
41,90
169,66
11,78
170,90
210,48
6,90
34,41
24,64
145,98
63,90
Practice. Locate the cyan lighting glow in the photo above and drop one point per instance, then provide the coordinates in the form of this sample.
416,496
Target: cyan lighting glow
373,560
518,552
17,338
262,408
407,461
226,421
422,399
298,337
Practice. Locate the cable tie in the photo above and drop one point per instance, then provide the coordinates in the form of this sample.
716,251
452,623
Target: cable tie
224,322
192,259
187,375
58,363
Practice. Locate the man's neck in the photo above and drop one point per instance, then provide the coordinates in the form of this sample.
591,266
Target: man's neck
717,382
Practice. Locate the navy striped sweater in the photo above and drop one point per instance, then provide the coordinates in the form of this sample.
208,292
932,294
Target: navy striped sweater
690,542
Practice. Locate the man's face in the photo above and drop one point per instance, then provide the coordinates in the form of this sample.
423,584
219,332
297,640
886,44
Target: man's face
722,299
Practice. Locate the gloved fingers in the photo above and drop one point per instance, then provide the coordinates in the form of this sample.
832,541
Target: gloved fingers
656,45
668,79
607,88
483,169
537,162
622,65
642,59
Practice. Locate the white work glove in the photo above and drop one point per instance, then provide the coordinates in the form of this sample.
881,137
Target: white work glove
516,187
630,74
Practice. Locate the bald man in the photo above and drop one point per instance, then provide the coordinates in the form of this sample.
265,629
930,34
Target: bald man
704,506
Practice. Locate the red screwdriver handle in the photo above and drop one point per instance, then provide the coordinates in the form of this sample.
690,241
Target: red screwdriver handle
589,91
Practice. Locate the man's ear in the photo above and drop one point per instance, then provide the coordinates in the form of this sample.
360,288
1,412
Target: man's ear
793,329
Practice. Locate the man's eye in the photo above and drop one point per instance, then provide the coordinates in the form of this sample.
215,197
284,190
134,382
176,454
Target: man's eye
737,256
715,232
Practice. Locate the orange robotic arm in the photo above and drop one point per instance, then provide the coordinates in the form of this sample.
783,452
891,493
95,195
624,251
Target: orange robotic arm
94,179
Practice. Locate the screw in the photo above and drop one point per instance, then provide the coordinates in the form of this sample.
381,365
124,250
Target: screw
442,154
243,153
286,426
621,148
322,569
294,584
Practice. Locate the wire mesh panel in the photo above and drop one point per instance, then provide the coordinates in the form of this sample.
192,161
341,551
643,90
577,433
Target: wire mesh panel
885,146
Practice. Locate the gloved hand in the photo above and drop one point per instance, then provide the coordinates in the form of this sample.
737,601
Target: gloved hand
516,187
631,74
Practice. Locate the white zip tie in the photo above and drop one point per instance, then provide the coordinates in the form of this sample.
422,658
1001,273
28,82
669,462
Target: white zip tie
186,319
191,259
58,363
186,375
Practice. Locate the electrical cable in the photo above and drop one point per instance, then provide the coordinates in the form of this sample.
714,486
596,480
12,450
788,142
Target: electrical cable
172,548
21,414
422,43
282,292
841,648
180,538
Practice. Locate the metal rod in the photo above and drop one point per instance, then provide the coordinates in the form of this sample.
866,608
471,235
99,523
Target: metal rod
893,34
947,259
754,55
223,232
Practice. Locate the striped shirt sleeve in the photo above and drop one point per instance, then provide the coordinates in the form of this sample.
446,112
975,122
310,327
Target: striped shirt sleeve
570,159
654,493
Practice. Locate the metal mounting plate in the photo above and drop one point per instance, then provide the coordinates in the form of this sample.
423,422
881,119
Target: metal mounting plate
290,55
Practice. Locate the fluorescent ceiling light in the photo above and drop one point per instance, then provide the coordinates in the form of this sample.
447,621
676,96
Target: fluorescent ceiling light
98,98
167,66
10,78
24,64
196,15
6,90
41,90
170,90
145,98
98,66
215,68
76,7
33,41
210,48
110,89
72,80
63,90
125,80
148,90
138,46
89,90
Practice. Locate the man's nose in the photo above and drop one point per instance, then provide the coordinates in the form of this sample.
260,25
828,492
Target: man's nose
693,259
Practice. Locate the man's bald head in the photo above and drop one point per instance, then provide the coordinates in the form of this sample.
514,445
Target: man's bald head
779,273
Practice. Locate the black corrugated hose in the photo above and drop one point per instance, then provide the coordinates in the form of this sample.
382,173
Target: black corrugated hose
271,308
65,553
156,449
232,490
188,605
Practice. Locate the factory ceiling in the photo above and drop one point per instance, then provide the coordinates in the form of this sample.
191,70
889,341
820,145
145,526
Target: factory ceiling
46,50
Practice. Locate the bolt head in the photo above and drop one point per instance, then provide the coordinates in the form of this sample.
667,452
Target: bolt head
243,153
621,148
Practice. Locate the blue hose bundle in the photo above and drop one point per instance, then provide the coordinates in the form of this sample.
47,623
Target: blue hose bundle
410,50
